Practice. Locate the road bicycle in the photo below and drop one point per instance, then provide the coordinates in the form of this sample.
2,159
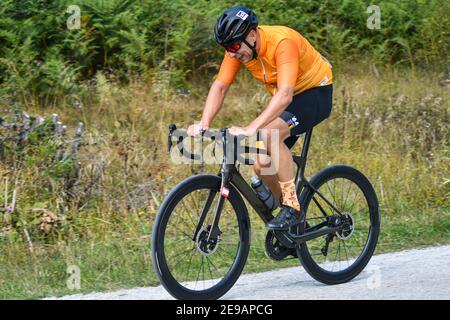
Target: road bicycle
201,235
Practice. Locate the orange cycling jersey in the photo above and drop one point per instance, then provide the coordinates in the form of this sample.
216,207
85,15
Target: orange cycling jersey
284,58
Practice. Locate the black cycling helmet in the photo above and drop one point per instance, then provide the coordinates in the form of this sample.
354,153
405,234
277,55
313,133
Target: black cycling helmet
233,26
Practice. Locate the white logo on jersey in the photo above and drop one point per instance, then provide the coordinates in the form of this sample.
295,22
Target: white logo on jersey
241,14
324,81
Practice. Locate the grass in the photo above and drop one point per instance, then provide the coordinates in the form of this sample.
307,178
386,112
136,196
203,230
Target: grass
393,127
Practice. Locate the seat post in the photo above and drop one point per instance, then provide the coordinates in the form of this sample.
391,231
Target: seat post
301,160
306,143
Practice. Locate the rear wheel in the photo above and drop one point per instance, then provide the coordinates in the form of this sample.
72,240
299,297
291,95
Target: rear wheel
206,264
339,257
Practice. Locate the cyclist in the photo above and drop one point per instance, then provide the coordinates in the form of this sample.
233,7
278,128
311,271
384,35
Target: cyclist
300,82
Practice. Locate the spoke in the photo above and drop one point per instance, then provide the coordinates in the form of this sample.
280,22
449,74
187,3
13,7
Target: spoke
176,221
180,254
178,261
194,200
339,257
319,248
229,225
336,204
188,268
349,245
209,268
188,197
203,271
342,193
210,261
179,240
187,212
198,275
199,208
227,254
346,197
220,254
184,259
178,229
331,192
354,202
320,207
334,192
346,254
336,256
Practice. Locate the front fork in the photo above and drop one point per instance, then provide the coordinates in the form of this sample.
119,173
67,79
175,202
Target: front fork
214,230
224,193
204,212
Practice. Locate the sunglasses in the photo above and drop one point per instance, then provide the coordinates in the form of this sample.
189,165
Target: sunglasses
233,48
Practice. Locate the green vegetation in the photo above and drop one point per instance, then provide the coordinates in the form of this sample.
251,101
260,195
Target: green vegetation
135,66
170,42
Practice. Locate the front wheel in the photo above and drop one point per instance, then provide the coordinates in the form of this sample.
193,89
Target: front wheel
191,261
341,256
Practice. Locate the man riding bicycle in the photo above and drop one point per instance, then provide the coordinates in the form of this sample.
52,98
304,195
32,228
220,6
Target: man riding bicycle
300,82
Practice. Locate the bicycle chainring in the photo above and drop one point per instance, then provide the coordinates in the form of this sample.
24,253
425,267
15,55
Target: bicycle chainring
275,250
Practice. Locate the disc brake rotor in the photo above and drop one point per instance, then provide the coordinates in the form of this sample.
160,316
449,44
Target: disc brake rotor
204,246
348,228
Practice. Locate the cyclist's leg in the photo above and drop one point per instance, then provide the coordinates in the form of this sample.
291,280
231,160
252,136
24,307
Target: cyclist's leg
273,136
267,166
298,117
281,170
306,110
289,117
262,163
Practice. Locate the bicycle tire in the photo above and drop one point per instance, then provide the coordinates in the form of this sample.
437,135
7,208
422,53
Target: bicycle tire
304,254
184,188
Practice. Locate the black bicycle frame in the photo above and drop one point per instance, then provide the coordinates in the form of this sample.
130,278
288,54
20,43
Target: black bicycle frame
230,175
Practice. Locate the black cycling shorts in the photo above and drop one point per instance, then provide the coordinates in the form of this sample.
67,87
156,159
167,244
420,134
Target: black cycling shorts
306,110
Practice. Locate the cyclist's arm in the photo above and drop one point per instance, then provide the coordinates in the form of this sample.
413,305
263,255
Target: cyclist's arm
227,73
214,102
286,57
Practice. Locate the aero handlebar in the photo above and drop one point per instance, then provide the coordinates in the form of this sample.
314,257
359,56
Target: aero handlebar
223,136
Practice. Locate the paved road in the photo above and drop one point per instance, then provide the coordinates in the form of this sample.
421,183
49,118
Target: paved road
413,274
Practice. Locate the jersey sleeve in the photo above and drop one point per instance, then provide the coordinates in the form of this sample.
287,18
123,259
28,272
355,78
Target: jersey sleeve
287,58
228,70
